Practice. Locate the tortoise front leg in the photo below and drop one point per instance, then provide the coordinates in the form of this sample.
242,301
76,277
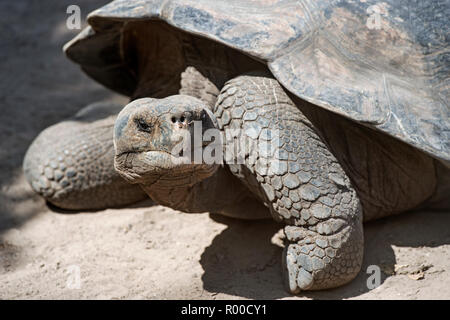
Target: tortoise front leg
291,169
71,164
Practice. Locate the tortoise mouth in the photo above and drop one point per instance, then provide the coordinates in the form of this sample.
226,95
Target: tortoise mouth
158,165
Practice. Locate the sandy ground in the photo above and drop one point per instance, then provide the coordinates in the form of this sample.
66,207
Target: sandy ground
152,252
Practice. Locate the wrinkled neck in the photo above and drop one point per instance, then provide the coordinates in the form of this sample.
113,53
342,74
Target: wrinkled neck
211,194
175,189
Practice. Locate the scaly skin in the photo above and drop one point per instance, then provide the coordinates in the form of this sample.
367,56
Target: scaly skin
70,164
307,189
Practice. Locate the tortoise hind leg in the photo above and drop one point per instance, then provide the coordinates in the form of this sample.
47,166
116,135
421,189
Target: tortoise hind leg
71,163
292,171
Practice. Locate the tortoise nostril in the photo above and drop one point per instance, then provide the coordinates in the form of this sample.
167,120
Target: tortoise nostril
179,119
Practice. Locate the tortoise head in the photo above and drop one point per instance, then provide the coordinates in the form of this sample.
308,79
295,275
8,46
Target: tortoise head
162,141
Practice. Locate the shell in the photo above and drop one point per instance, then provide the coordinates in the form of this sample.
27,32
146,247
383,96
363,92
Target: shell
383,64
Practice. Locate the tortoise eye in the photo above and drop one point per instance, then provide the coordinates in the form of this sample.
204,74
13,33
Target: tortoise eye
143,126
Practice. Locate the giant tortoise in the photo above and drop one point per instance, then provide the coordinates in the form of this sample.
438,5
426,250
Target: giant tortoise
342,105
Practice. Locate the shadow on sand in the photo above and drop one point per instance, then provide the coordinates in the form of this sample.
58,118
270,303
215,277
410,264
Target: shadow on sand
245,262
